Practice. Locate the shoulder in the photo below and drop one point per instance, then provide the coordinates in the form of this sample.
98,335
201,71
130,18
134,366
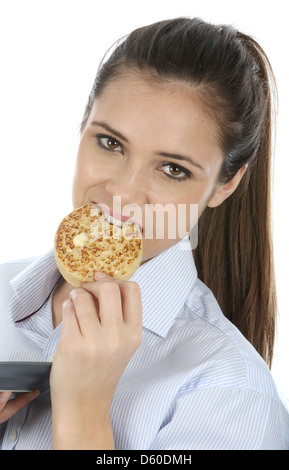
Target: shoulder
9,270
228,359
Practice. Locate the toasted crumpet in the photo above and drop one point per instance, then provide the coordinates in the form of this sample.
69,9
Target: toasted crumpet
86,242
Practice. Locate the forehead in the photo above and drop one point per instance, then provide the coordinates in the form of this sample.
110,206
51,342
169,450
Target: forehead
143,92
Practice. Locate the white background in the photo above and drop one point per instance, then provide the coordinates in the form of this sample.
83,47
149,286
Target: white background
50,51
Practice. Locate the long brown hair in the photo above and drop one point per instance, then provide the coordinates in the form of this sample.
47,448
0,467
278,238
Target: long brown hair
232,75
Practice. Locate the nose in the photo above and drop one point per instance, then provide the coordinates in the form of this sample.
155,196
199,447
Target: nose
129,185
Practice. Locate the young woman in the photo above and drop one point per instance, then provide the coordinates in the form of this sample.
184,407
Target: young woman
175,358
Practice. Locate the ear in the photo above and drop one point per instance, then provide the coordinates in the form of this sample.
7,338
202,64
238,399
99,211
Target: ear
225,190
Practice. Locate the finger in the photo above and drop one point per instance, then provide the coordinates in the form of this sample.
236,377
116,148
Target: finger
100,276
132,312
108,294
13,406
131,300
130,297
4,397
131,303
86,309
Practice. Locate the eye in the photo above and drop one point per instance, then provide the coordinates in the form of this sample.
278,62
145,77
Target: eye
176,172
108,143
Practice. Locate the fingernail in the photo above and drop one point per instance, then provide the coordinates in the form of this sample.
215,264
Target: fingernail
100,275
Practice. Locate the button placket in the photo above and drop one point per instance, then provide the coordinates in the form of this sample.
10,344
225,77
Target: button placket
51,345
12,436
13,428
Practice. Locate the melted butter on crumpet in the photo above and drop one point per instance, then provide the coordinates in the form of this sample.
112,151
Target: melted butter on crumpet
86,242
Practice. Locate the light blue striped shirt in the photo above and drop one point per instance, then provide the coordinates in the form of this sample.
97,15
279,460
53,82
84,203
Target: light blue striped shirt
194,382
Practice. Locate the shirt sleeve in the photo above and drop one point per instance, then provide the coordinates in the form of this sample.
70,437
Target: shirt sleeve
222,418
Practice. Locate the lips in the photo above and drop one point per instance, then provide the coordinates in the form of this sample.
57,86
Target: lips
116,217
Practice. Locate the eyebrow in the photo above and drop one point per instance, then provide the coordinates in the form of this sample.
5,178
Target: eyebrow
109,129
182,158
161,154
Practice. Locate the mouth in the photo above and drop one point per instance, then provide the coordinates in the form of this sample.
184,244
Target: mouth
116,218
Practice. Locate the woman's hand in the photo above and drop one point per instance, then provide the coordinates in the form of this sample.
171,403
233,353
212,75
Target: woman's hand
101,330
8,408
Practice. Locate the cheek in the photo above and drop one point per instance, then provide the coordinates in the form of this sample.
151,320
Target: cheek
190,207
84,176
186,217
87,169
84,162
170,220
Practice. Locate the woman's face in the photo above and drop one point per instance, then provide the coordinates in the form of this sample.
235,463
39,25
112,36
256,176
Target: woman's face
149,148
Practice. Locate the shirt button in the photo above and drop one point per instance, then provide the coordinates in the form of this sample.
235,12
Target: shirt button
12,437
50,359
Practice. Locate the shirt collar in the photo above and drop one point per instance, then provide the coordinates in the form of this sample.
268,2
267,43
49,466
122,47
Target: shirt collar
33,286
165,282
